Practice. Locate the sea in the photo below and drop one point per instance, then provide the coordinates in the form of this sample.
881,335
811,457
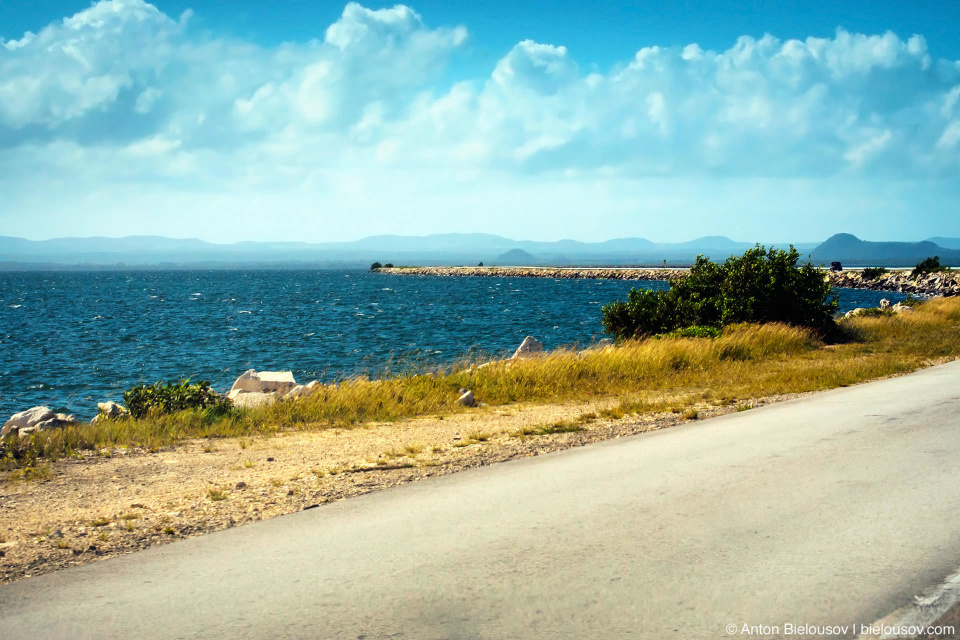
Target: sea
71,339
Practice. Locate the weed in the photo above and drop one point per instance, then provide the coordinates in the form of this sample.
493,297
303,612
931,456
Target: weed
61,543
248,464
217,494
691,414
103,536
102,521
169,531
129,526
27,474
413,449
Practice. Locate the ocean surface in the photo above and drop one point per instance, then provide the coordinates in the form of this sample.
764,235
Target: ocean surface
72,339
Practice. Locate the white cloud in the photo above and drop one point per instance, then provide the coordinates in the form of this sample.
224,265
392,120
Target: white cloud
123,94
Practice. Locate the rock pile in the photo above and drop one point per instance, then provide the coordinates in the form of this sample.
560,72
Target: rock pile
884,307
255,388
36,419
945,284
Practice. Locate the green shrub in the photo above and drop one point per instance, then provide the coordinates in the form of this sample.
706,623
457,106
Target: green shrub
759,286
375,266
694,332
872,273
175,396
928,265
389,265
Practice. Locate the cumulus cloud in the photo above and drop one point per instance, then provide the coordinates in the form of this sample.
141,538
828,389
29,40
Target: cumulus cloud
121,93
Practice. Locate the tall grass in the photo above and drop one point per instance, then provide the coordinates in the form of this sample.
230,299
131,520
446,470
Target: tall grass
744,362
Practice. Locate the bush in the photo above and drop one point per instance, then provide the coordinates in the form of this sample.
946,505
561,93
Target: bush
928,265
375,266
872,273
174,396
759,286
389,265
694,332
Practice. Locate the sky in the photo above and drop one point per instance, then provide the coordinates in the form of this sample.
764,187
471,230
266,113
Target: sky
323,121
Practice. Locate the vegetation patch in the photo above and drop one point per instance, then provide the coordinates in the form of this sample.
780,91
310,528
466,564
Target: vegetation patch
761,286
872,273
171,397
927,266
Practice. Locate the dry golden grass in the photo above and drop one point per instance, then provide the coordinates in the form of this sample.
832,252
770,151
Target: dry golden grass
669,374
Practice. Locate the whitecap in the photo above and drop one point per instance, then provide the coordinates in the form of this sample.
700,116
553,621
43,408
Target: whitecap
248,312
15,306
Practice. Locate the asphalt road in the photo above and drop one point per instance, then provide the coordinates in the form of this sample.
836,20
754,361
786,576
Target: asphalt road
831,510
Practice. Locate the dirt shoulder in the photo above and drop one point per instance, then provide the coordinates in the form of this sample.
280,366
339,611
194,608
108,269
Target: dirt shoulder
99,507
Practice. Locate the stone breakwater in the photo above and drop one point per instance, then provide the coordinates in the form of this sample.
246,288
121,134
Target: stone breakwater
946,284
542,272
935,284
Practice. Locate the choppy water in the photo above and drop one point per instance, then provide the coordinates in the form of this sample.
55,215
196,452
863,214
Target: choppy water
72,339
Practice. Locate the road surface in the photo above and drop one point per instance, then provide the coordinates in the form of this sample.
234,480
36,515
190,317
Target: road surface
834,509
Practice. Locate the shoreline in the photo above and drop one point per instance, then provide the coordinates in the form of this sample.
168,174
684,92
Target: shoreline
943,284
122,493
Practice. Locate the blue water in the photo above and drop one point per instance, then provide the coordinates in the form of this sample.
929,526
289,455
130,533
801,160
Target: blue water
72,339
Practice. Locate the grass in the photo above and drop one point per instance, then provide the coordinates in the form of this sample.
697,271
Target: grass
217,495
743,363
29,473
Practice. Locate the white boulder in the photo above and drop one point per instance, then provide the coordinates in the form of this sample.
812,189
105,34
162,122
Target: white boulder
884,305
529,347
37,419
466,398
902,308
251,399
28,419
302,390
252,381
57,421
112,409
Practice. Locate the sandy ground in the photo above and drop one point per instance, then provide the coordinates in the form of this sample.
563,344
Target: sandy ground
100,507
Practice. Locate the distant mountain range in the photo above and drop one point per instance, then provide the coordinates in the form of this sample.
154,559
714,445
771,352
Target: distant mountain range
440,249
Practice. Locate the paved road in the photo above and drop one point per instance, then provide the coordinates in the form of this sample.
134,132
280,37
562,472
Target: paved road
835,509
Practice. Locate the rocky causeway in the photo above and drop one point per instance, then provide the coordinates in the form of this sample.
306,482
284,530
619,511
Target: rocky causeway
934,284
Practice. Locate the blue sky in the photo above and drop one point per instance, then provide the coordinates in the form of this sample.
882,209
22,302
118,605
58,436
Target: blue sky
762,121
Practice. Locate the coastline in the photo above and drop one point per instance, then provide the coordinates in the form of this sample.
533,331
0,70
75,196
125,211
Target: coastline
944,284
121,493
